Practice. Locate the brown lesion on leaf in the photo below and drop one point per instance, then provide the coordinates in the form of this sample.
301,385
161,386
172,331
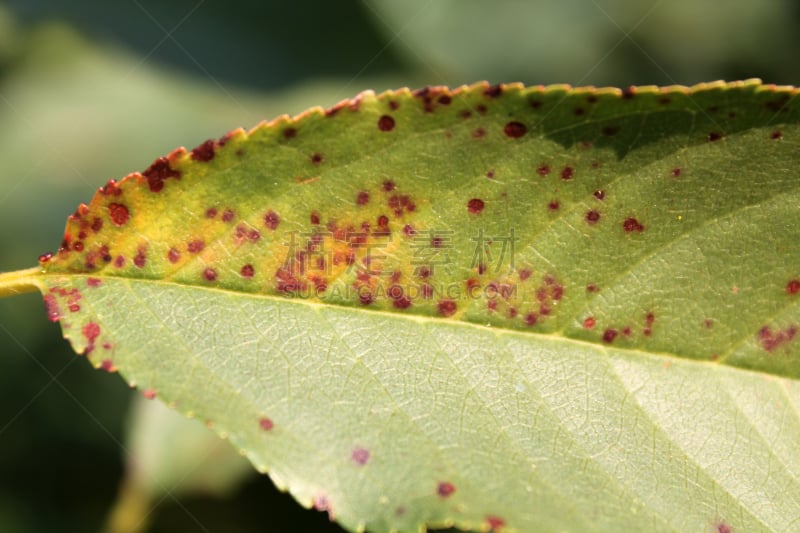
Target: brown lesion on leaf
771,338
205,151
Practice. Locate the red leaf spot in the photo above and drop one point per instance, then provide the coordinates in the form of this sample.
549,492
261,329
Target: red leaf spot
490,174
553,205
631,224
626,331
445,489
360,456
228,215
409,230
316,158
362,198
323,504
423,272
195,246
97,225
465,114
629,93
210,274
475,206
541,294
567,173
211,212
649,319
599,194
402,303
173,255
389,186
314,217
515,130
676,172
289,133
495,523
271,220
477,133
578,111
78,246
107,365
776,135
149,394
770,340
778,104
536,104
447,307
266,424
793,287
248,271
365,297
394,105
445,99
141,258
609,335
714,136
204,152
592,288
531,319
722,527
589,322
91,331
119,262
383,221
158,172
93,282
51,306
44,258
592,217
111,189
610,131
494,91
512,312
481,109
525,273
386,123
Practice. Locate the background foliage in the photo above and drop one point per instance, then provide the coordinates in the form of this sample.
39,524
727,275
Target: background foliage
92,90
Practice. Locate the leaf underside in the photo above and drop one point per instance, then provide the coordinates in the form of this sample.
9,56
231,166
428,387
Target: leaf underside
495,307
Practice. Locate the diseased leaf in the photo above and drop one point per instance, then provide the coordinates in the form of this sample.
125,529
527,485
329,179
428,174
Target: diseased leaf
494,307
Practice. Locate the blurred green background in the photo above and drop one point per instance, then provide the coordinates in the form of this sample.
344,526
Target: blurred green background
92,90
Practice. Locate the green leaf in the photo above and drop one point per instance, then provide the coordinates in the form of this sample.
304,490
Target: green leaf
169,456
494,307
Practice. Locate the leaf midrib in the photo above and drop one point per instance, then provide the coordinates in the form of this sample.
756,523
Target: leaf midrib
393,315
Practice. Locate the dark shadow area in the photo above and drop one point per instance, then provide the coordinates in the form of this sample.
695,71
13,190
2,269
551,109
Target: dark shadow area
263,45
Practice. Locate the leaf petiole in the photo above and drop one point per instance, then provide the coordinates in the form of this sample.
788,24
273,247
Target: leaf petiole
19,282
